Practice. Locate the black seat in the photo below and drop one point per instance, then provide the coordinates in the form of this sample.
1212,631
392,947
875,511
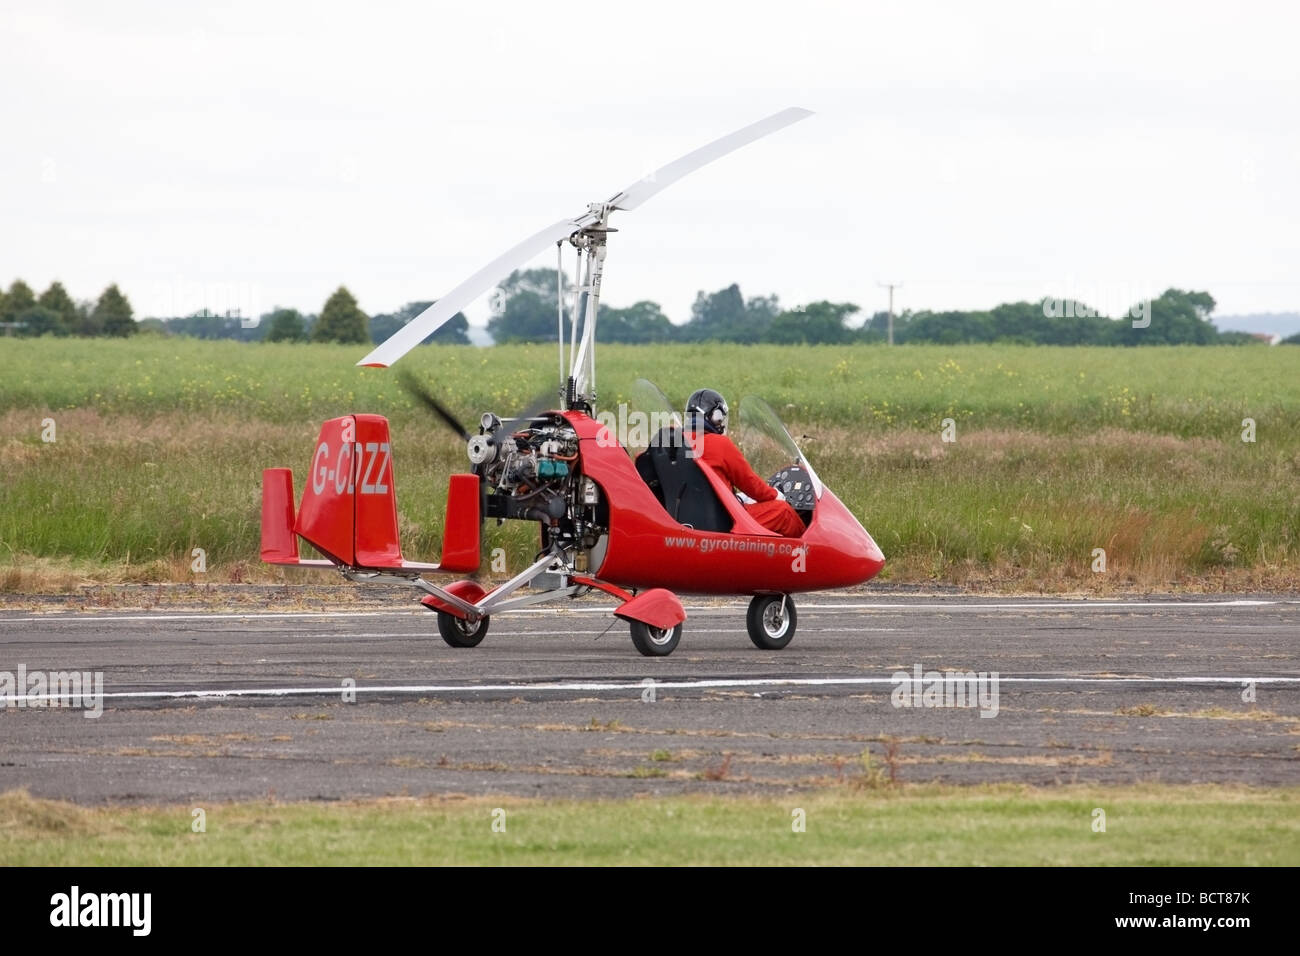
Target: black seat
680,485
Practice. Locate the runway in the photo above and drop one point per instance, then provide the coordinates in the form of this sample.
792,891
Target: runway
209,706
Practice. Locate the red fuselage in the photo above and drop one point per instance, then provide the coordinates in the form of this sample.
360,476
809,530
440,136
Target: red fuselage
648,549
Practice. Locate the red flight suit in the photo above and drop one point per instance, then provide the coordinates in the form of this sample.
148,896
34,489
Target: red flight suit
721,454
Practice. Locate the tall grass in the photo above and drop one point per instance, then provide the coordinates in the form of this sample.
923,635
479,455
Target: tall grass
1184,391
160,446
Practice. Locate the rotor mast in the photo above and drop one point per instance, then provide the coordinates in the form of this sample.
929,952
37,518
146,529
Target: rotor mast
590,241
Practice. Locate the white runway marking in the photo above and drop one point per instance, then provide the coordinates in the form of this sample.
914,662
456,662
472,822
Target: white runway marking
636,687
804,608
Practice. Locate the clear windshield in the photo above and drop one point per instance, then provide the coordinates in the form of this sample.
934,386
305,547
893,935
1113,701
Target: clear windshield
640,418
766,443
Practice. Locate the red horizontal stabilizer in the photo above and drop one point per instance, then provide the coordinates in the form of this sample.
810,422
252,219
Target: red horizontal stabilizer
349,506
656,607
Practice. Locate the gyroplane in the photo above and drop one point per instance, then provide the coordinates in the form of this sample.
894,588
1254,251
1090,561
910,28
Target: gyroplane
640,529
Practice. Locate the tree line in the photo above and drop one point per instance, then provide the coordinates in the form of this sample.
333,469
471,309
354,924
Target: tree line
527,313
54,312
524,309
341,319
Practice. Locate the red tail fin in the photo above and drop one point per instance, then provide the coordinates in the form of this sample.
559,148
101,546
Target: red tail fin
279,543
349,507
460,531
327,517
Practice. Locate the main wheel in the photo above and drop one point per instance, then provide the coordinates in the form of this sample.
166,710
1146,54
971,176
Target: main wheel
655,641
459,632
770,626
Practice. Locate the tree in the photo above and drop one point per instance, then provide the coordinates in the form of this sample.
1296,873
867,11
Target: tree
947,328
286,325
760,312
524,307
113,313
717,315
876,329
725,316
16,301
818,323
85,323
1177,318
1055,322
341,320
1240,338
39,320
455,331
1020,321
641,322
56,299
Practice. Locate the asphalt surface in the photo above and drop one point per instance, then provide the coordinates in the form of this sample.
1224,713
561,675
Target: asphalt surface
209,706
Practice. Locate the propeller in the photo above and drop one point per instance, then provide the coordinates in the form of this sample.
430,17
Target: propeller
416,390
432,318
425,398
542,403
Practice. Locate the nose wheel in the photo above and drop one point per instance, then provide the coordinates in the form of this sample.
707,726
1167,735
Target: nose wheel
459,632
655,641
771,621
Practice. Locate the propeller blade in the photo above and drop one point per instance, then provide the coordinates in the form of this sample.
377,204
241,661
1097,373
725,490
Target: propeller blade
425,398
665,176
431,319
544,402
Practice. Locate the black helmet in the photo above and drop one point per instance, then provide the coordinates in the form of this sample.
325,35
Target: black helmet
709,407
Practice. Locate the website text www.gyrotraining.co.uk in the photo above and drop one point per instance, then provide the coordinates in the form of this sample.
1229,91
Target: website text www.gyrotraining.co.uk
733,545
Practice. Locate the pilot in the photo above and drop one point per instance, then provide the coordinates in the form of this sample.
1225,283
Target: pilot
706,426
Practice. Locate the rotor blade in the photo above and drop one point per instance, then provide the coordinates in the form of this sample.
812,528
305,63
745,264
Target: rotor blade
431,319
424,397
664,177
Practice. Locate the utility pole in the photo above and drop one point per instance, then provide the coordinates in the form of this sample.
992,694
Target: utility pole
891,286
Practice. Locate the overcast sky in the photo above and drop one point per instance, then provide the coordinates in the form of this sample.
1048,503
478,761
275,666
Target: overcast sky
259,154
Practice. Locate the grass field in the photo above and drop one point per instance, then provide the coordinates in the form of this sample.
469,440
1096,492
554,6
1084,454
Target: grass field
989,826
160,445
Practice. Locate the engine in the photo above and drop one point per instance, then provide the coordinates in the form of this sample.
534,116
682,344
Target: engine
533,473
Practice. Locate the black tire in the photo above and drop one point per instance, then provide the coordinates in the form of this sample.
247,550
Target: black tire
459,632
768,629
655,641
